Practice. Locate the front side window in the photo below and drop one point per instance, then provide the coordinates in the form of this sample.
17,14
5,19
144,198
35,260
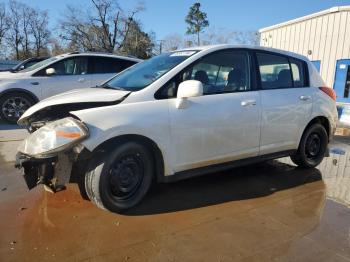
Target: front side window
145,73
71,66
221,72
274,71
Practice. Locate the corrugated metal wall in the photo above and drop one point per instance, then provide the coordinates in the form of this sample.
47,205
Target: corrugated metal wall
326,36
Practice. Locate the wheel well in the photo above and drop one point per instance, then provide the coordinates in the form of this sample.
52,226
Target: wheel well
150,144
320,120
20,91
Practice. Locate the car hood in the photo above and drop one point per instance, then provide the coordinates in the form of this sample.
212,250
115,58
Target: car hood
74,100
9,75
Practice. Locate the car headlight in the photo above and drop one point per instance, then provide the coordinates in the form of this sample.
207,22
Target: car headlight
54,137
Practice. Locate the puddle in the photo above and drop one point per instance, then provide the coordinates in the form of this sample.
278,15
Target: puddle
337,151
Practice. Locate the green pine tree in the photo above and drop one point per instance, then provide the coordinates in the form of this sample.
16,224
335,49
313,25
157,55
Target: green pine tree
196,20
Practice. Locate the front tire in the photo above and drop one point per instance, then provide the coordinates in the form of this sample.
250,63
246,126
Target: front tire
119,179
13,105
312,147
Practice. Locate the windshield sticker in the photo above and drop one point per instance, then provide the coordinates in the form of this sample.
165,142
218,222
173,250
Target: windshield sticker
183,53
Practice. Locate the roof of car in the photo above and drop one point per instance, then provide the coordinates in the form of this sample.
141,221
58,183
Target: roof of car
130,58
226,46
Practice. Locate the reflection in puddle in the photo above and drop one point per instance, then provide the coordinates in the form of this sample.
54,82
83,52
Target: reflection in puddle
335,171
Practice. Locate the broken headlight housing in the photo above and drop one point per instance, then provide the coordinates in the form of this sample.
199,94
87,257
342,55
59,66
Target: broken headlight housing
54,137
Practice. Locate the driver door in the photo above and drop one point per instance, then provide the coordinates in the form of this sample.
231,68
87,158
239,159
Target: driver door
70,73
222,125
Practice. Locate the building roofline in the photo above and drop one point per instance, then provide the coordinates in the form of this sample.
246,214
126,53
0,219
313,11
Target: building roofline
334,9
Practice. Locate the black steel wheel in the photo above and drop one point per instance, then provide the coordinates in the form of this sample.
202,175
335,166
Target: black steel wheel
312,147
118,180
125,176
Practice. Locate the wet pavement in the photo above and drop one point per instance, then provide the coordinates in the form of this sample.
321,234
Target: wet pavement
262,212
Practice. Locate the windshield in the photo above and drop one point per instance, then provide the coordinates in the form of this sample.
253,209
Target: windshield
39,64
16,67
143,74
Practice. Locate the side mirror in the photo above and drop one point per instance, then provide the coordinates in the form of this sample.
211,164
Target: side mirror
186,89
50,71
190,88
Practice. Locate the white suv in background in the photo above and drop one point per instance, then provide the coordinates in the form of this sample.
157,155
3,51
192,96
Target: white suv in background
178,115
20,90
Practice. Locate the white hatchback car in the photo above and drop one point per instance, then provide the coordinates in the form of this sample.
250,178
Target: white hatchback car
178,115
20,90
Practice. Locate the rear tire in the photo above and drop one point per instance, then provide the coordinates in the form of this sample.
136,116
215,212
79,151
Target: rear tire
312,147
13,105
119,179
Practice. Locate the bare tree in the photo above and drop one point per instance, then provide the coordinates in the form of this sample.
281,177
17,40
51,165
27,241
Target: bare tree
115,23
172,42
56,47
75,29
39,30
247,37
26,15
15,37
225,36
104,28
4,22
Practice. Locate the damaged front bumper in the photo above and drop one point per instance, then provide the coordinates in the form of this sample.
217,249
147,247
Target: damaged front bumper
49,153
53,172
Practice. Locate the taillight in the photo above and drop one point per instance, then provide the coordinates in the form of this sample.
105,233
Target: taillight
330,92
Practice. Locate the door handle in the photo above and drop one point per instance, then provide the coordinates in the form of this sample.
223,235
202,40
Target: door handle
34,83
305,98
81,80
248,103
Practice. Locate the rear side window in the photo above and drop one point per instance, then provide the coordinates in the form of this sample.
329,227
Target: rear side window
107,65
274,71
298,71
281,72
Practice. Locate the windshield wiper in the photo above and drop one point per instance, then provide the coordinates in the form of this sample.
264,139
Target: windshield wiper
106,86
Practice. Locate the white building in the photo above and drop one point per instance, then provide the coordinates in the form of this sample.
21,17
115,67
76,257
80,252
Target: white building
323,37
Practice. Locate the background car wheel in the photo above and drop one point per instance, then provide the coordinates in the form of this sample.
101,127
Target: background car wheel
119,179
312,148
13,105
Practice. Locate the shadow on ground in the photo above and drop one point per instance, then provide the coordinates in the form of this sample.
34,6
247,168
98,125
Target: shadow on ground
236,184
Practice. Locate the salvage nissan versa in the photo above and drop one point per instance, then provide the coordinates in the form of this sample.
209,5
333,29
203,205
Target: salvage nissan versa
178,115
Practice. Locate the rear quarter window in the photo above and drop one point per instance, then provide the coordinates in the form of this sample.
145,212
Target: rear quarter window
299,72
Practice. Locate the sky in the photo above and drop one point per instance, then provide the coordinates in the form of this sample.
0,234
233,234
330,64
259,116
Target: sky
167,17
